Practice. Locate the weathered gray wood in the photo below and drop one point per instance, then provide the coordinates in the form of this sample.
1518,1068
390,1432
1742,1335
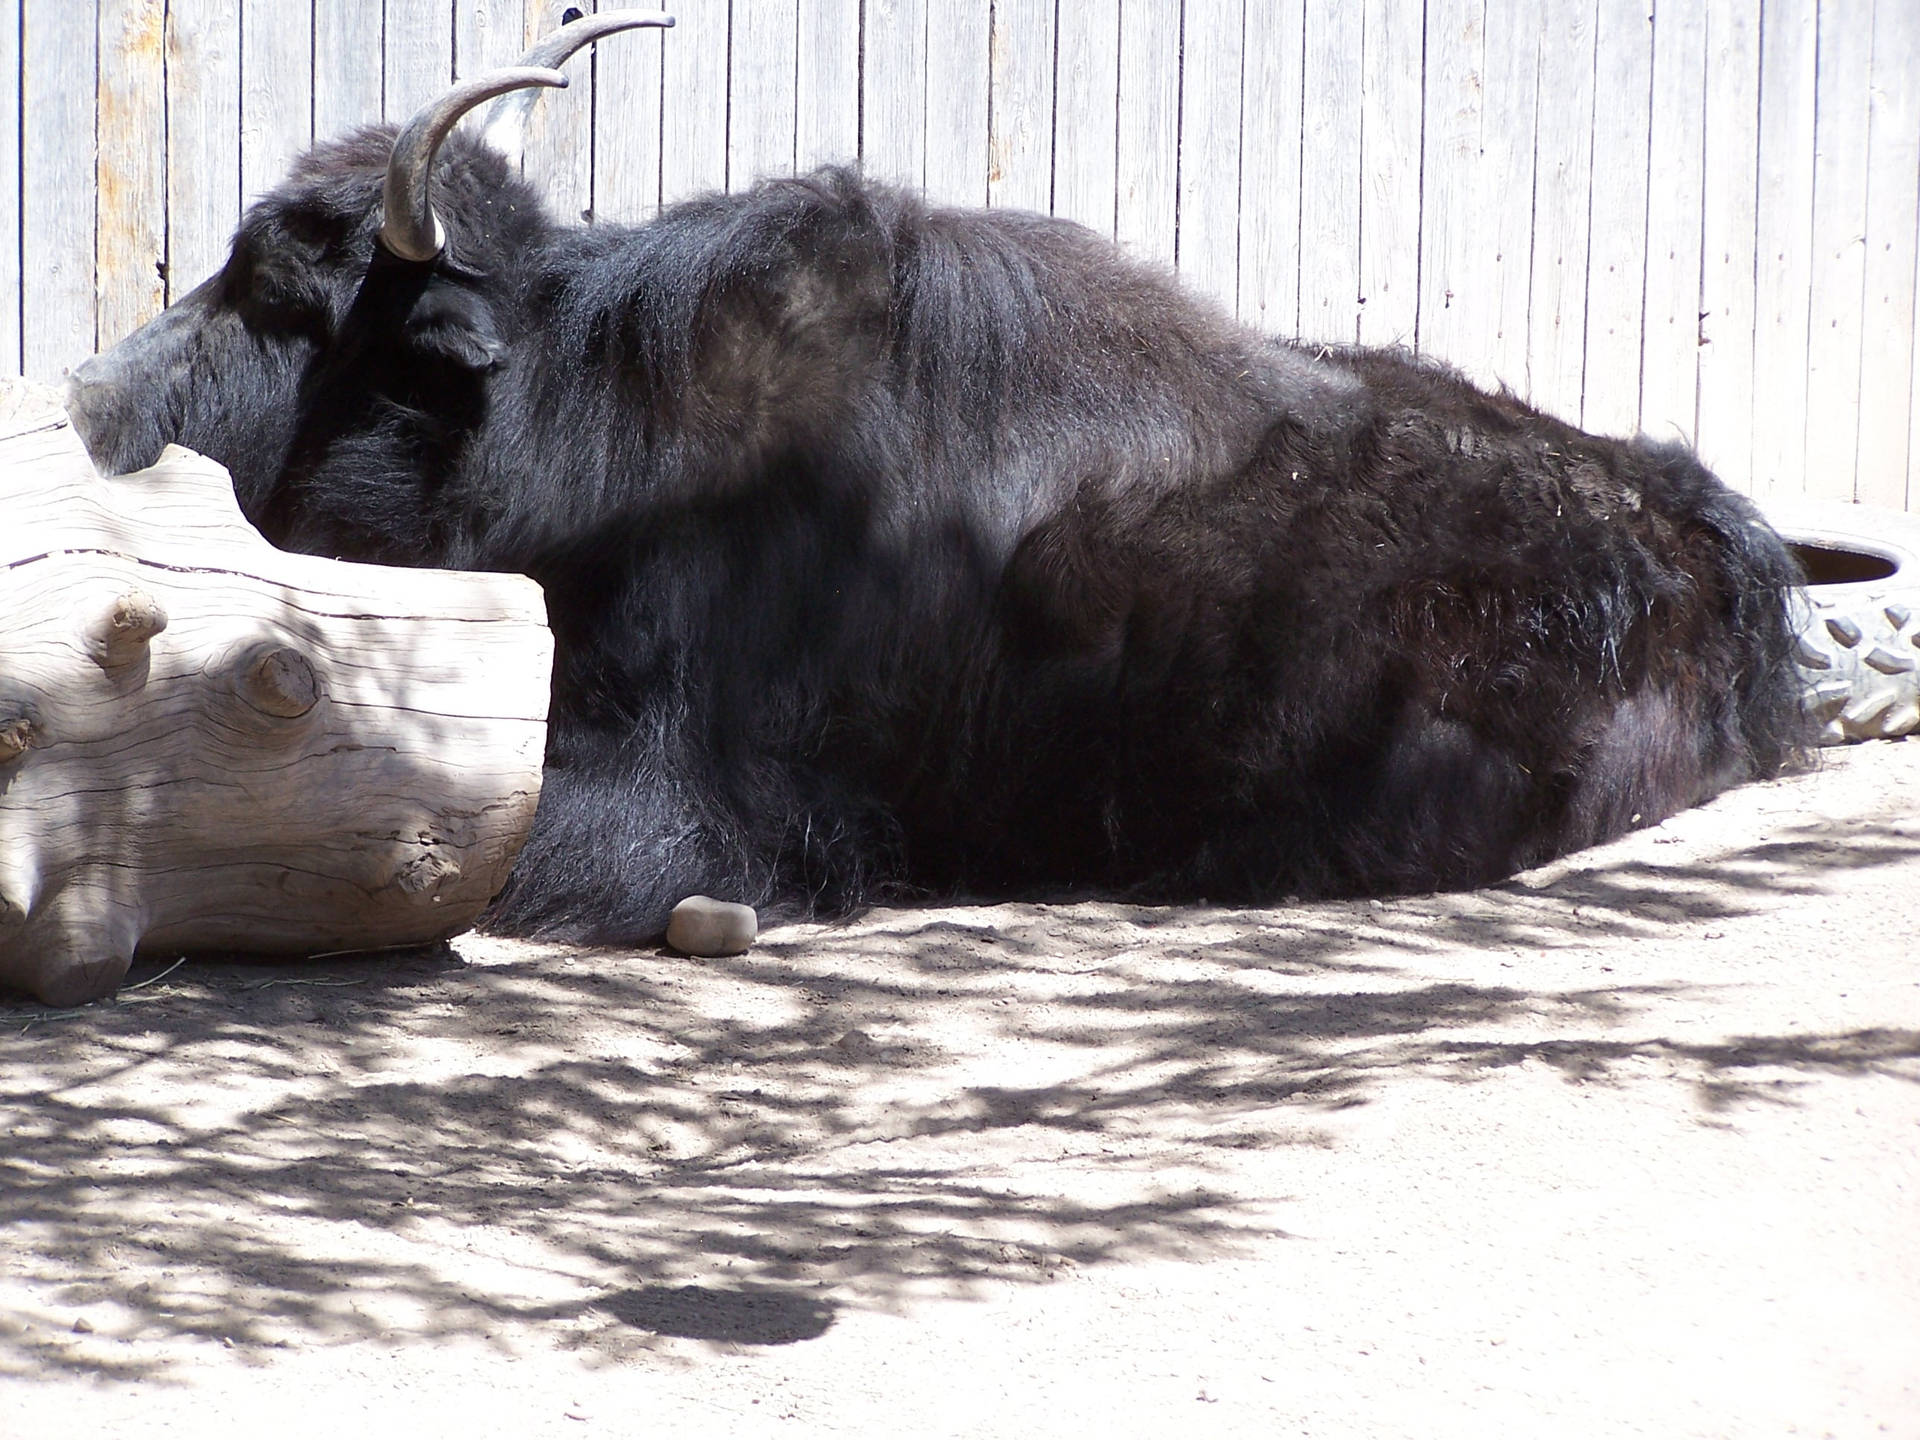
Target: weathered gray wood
131,171
10,135
1670,365
206,743
558,155
827,86
276,91
1893,221
1729,227
1020,170
762,118
1209,243
959,89
1617,254
1269,280
347,73
1390,172
1839,252
1563,137
893,97
693,106
416,57
626,151
203,139
1087,98
1146,213
1330,176
57,187
486,34
1784,268
1507,174
1454,284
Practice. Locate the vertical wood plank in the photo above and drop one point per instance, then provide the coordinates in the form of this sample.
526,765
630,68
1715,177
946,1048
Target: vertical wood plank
1209,241
761,113
1086,112
1784,242
1507,176
130,173
1893,221
417,56
1453,217
10,232
1330,174
1020,115
559,137
627,72
348,40
1670,364
693,105
486,34
1556,321
276,91
959,99
893,96
827,95
1477,195
1146,210
203,139
1913,421
1732,144
1271,63
57,214
1391,78
1839,252
1617,254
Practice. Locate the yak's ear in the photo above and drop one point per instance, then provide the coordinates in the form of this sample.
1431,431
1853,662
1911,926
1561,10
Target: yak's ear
456,324
278,265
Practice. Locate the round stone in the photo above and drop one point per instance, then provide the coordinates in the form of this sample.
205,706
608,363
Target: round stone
701,925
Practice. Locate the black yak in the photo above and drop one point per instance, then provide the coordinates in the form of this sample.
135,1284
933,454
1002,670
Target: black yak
897,550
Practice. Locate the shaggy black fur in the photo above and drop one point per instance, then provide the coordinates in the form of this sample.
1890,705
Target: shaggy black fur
895,549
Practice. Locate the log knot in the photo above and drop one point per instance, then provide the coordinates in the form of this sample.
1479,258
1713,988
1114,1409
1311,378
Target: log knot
120,637
279,680
16,738
425,868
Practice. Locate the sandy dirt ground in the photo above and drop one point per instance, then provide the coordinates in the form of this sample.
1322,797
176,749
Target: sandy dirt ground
1628,1146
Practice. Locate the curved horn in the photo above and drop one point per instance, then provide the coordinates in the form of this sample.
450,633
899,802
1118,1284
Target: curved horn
408,226
506,123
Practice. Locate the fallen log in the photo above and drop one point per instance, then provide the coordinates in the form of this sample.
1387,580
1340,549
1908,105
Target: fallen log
209,744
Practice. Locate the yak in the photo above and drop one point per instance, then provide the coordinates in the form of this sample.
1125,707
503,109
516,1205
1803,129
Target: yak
893,550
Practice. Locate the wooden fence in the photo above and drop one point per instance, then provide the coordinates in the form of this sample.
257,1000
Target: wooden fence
1696,217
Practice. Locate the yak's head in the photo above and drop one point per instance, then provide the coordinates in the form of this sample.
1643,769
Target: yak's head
372,290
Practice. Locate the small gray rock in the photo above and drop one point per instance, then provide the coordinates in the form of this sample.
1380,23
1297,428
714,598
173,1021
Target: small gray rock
701,925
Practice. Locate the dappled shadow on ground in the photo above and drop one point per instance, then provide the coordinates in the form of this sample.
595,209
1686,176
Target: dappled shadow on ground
626,1149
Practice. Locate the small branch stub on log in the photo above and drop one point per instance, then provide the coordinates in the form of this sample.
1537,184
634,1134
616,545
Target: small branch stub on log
207,744
120,636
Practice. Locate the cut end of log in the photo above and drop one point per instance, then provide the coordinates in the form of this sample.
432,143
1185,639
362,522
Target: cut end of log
279,681
16,738
121,636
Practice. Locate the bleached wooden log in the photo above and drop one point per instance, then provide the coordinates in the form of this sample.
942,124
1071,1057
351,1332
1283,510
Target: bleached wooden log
206,743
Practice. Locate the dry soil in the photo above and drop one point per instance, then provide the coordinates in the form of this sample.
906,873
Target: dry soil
1627,1146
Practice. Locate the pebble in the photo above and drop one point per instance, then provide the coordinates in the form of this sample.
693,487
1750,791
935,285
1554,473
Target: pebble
701,925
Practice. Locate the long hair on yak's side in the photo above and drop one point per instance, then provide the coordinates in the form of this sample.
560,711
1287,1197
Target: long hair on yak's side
892,548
